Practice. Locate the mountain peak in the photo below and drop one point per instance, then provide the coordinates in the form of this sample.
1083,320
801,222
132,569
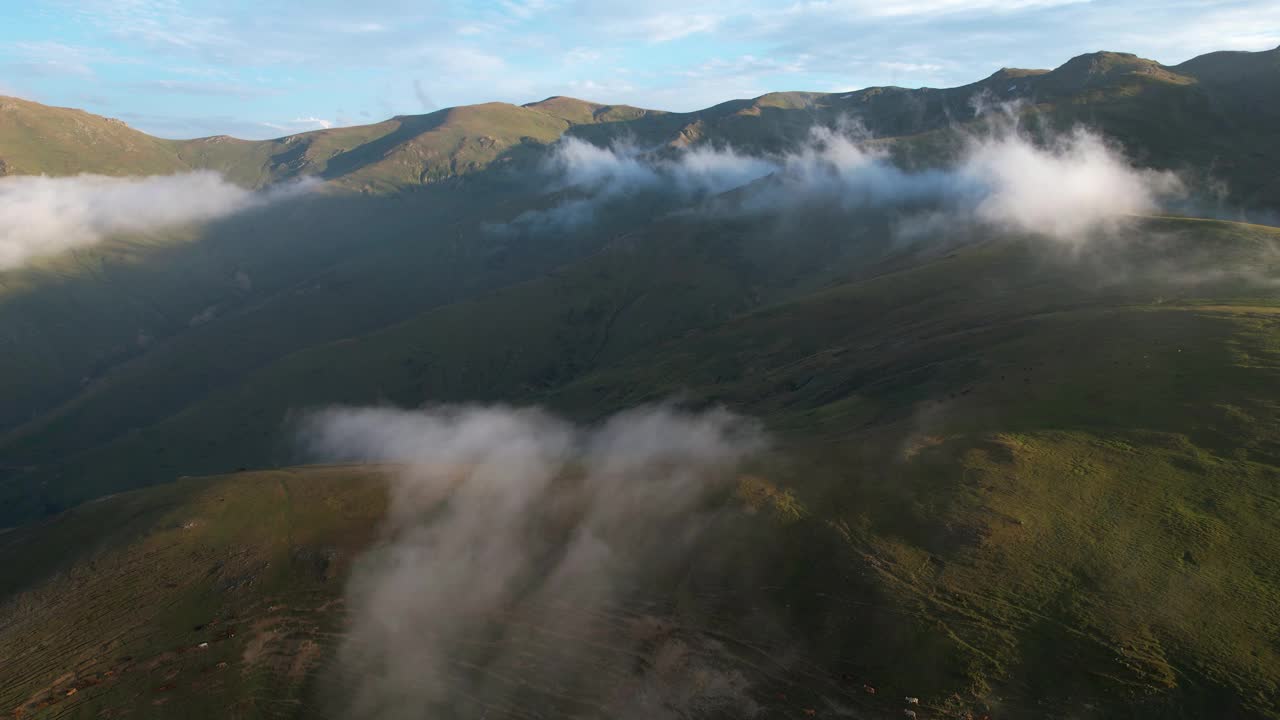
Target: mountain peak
1106,67
584,112
1106,63
1008,73
1234,67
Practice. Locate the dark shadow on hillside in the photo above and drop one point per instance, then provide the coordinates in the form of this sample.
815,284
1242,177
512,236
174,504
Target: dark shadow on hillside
410,126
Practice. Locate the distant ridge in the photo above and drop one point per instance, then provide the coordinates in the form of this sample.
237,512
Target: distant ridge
411,150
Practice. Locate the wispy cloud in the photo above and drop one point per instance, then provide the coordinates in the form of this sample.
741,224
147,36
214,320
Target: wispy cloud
503,512
50,58
672,56
932,8
911,67
525,9
1000,180
673,26
42,216
747,66
196,87
298,125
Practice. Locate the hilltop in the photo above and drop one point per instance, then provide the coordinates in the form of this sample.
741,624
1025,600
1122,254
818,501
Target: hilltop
403,151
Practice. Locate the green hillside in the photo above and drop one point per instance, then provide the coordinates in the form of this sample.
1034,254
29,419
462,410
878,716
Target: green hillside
198,592
401,152
37,139
1050,524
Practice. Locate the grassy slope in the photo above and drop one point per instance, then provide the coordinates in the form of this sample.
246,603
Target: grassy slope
125,590
646,287
1019,522
402,152
252,564
38,139
1048,475
82,314
1074,499
336,270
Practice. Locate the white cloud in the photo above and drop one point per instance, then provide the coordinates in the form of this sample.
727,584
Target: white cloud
45,216
362,27
319,122
298,125
745,47
1067,189
911,67
500,512
1226,26
598,175
937,7
525,9
747,66
56,58
220,89
673,26
582,56
914,8
1073,187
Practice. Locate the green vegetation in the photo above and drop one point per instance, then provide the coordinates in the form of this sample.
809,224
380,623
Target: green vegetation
205,598
36,139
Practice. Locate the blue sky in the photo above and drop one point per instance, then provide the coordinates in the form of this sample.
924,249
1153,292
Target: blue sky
187,68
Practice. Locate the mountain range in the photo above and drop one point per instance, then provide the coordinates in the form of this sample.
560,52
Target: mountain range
1014,346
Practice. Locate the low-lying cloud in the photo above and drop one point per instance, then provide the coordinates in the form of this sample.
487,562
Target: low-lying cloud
1074,186
42,215
498,514
1066,188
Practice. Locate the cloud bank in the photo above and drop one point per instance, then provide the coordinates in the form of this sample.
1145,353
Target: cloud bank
499,515
44,216
1067,188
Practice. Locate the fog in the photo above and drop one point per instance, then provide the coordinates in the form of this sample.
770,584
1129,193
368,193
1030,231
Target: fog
41,216
1066,188
502,513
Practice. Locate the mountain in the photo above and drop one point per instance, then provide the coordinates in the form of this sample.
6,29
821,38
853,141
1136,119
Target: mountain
400,152
1014,471
1159,112
37,139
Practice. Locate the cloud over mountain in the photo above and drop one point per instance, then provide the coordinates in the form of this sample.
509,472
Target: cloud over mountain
1064,188
503,512
44,216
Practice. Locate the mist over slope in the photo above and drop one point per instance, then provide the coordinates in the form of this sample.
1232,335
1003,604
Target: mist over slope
999,181
555,515
42,216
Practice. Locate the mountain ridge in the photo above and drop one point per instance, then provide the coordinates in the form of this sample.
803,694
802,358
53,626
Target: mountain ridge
406,151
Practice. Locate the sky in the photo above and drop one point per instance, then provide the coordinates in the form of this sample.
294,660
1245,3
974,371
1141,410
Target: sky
192,68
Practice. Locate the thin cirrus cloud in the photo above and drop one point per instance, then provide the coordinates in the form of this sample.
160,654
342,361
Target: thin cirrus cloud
379,58
301,125
197,87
